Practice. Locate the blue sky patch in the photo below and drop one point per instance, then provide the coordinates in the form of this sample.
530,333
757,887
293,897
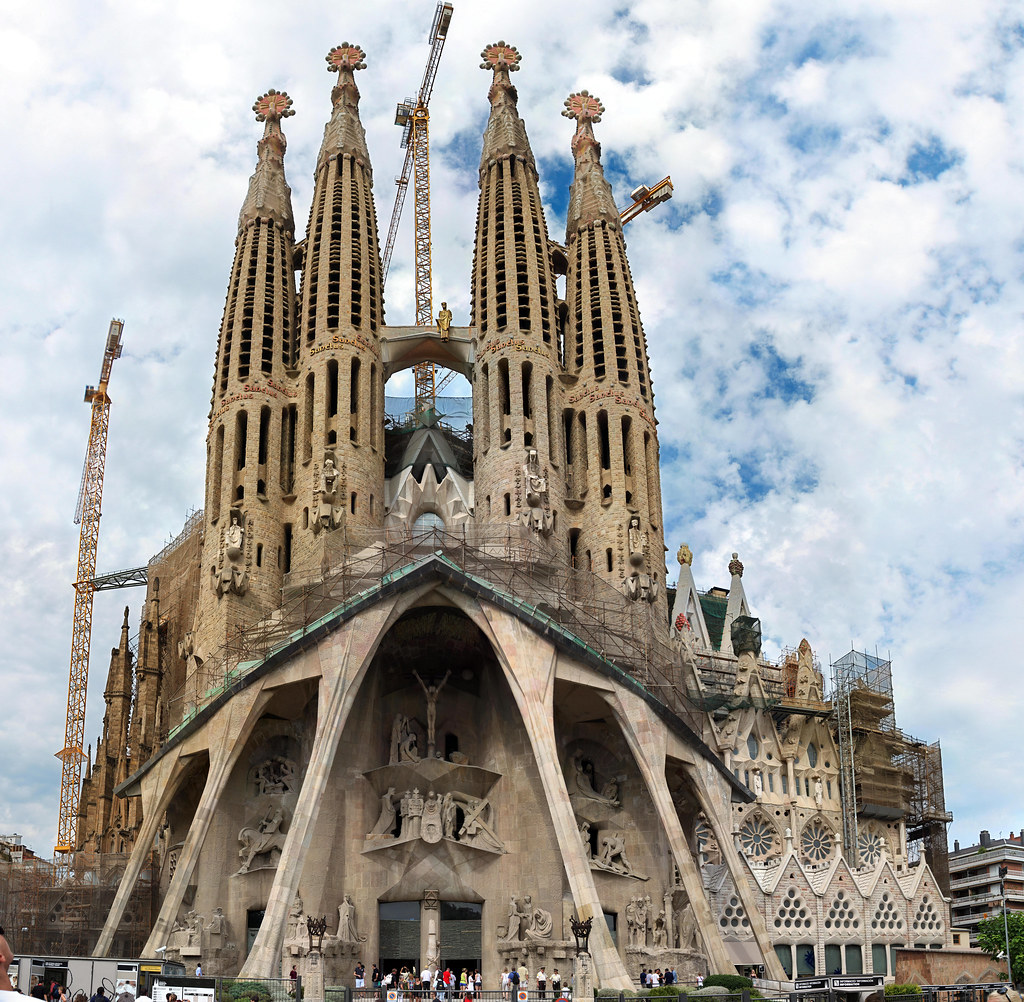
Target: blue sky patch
927,161
783,380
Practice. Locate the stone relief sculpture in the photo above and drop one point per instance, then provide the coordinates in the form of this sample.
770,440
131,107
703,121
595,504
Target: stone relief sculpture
266,839
275,776
660,932
433,818
296,938
233,576
536,517
386,822
637,922
685,927
403,741
330,513
612,856
432,692
583,773
585,838
525,923
347,931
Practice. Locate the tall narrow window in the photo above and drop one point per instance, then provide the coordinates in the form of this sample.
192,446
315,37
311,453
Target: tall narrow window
307,418
241,433
289,415
353,400
287,547
504,391
485,407
264,435
602,430
549,414
608,559
217,473
332,387
527,401
574,542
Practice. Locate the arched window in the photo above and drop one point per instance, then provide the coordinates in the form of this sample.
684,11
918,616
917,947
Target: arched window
812,755
426,523
752,745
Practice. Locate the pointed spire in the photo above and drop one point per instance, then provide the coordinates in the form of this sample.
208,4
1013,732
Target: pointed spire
269,195
590,197
737,604
505,134
344,132
687,614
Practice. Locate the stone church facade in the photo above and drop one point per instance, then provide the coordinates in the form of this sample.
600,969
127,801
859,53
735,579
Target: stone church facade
430,682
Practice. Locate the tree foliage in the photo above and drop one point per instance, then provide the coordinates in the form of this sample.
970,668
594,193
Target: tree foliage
992,939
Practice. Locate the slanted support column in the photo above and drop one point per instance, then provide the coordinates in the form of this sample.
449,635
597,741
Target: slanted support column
646,739
160,787
232,726
343,658
737,870
529,664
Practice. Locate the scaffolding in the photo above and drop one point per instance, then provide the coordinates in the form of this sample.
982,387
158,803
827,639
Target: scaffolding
48,914
509,560
884,773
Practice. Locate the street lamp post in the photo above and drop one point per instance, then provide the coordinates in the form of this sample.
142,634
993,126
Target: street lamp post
1003,870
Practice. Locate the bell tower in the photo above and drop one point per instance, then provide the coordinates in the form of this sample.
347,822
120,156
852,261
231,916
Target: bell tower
249,469
516,389
613,489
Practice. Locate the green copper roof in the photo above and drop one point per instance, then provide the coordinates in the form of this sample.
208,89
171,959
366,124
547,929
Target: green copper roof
714,607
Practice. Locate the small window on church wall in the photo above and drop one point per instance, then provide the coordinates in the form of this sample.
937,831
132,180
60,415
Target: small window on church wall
807,787
828,786
264,437
527,396
608,558
606,449
812,755
305,518
508,504
353,502
287,547
752,746
504,391
259,554
332,387
771,782
785,784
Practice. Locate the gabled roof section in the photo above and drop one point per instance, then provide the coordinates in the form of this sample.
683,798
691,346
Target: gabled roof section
437,567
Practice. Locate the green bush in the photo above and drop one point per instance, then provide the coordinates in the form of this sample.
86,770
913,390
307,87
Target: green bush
242,991
672,991
732,983
708,990
902,989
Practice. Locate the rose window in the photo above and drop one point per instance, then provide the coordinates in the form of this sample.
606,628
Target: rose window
871,845
757,837
816,842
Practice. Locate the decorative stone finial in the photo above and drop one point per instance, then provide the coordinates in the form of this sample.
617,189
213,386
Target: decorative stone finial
584,107
273,106
499,55
684,555
735,567
345,57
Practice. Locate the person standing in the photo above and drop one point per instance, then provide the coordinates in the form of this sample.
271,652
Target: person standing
360,976
556,984
542,984
700,980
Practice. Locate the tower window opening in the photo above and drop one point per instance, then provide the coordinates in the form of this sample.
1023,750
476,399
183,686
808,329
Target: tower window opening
287,547
261,488
627,446
240,492
332,388
307,418
602,431
504,390
590,561
217,474
305,518
289,416
352,502
567,433
527,373
608,559
241,433
264,435
485,407
332,437
353,399
574,542
270,251
259,554
550,418
375,416
508,504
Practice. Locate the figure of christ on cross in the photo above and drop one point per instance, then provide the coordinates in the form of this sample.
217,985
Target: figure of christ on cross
432,691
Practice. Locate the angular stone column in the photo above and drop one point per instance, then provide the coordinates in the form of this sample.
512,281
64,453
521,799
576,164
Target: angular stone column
228,730
529,665
344,657
159,788
647,740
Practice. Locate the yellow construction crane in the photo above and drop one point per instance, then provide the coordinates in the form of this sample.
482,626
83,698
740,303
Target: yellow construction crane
88,516
414,119
645,199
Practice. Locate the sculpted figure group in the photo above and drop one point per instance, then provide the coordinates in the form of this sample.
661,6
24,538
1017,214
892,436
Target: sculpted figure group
525,923
437,817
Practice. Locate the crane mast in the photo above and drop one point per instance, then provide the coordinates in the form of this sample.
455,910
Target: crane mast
414,118
88,516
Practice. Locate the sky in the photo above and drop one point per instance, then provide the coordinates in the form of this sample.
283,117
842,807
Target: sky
832,301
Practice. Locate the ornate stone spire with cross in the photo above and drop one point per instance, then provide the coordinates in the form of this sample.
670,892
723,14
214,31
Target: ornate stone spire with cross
590,198
344,132
505,134
269,196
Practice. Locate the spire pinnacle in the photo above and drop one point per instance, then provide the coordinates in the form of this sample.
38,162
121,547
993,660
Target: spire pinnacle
505,134
590,198
344,132
269,195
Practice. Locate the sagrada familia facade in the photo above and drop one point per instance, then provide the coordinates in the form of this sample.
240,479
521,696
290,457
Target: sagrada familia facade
431,682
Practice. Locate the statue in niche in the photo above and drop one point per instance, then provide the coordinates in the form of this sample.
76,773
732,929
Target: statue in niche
583,770
233,576
541,925
758,783
347,932
637,539
403,815
431,691
386,822
636,925
275,777
612,856
264,840
660,932
819,794
329,513
511,930
536,517
685,926
194,924
295,937
444,321
218,923
639,586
